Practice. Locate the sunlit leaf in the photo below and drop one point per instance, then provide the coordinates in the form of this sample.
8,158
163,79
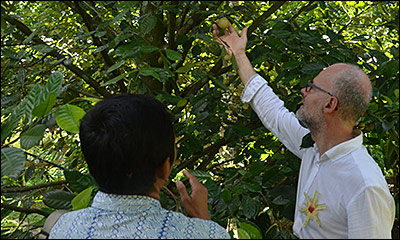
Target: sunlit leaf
82,200
68,117
32,136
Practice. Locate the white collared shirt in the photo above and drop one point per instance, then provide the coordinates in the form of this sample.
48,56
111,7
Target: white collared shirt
352,191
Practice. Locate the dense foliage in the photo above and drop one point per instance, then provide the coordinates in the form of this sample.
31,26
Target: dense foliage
58,58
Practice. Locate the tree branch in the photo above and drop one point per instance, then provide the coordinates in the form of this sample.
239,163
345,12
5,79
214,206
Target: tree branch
301,10
171,28
89,23
25,210
264,16
80,73
30,188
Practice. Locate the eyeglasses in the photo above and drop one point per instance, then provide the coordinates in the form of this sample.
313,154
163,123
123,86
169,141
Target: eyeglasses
311,85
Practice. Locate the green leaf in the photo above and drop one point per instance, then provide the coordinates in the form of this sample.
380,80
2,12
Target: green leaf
115,66
54,83
249,206
186,68
49,95
45,106
147,24
12,161
32,136
149,71
120,15
68,117
182,103
11,122
200,174
280,200
114,80
242,234
42,48
127,4
82,200
226,195
58,199
253,231
312,68
147,49
100,49
219,83
173,55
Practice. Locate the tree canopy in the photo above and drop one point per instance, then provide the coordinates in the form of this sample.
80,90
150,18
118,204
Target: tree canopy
58,58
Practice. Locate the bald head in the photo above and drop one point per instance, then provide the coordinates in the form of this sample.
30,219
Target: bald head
352,87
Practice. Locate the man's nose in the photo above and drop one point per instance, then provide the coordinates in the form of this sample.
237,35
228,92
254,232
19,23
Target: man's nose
303,91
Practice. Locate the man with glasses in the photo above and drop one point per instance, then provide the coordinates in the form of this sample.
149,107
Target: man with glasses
341,192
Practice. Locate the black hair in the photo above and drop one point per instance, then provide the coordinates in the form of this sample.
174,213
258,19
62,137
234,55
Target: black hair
125,139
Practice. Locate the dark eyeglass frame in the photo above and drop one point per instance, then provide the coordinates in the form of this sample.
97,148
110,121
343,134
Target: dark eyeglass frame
311,85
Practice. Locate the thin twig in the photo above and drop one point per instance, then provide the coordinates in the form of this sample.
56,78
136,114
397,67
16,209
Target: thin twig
24,210
29,188
173,196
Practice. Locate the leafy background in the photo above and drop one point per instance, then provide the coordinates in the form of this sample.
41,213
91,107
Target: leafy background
59,58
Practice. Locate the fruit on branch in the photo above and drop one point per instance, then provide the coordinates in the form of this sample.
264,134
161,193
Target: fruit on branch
227,57
223,23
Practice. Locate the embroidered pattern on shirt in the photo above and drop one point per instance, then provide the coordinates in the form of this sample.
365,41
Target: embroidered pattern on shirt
311,209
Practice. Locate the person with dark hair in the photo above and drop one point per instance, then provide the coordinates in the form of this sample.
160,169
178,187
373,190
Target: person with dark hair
128,142
341,190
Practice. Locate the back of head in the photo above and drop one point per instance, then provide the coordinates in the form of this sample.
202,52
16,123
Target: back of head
125,139
353,89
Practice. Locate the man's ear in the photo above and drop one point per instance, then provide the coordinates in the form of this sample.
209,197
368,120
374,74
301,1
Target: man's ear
331,105
164,170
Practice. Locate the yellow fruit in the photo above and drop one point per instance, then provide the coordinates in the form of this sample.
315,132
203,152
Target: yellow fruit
227,57
361,125
223,23
160,60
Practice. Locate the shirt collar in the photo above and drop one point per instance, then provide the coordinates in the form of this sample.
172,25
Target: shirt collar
342,149
116,202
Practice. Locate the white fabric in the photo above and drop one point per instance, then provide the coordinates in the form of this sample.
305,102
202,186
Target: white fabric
349,182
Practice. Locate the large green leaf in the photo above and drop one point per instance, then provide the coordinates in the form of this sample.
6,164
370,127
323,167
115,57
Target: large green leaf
44,107
115,66
58,199
150,71
148,23
253,231
32,100
54,83
12,161
242,234
32,136
173,55
249,206
82,200
11,122
68,117
48,95
312,68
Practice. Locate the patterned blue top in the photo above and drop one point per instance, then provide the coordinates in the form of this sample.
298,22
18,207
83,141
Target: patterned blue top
132,216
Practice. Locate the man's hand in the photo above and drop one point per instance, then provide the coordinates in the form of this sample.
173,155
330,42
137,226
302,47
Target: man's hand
196,205
236,44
